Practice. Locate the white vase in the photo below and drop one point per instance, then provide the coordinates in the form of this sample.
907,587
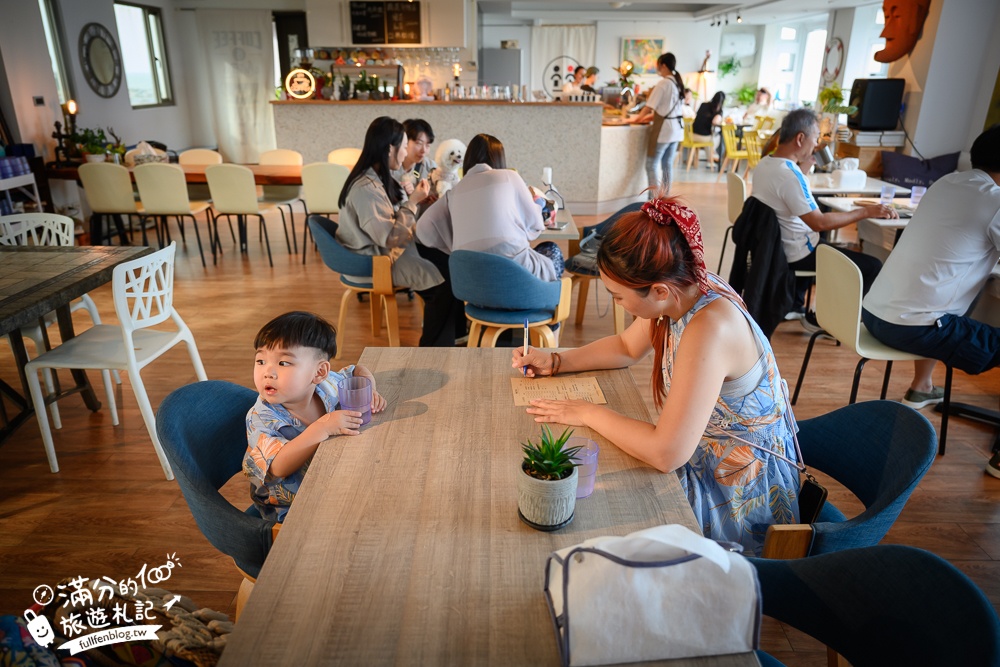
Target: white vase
546,503
94,157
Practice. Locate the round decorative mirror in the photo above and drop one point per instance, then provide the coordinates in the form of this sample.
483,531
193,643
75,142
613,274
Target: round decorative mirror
100,60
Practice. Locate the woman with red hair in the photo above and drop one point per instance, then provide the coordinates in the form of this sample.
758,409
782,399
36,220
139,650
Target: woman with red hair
725,427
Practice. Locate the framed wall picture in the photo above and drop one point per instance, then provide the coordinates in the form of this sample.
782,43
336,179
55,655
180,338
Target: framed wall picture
643,52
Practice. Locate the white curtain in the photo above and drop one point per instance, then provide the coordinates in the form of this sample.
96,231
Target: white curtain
556,48
238,52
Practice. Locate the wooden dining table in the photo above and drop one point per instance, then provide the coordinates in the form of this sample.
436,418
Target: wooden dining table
263,174
35,281
404,546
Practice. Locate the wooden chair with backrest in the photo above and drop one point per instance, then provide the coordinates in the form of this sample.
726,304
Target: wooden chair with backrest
108,188
143,292
583,274
163,191
284,195
360,274
202,427
736,194
345,156
693,145
733,152
321,186
234,193
500,294
199,157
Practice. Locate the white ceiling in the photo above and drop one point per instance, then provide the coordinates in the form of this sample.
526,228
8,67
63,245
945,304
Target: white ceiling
759,12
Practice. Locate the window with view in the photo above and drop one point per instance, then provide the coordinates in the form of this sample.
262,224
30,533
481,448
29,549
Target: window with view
140,33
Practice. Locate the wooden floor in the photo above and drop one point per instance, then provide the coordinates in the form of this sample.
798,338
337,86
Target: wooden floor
110,510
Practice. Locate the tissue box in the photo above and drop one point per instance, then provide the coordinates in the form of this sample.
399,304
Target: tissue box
849,178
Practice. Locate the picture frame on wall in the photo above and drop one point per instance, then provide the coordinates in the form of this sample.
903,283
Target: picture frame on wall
643,52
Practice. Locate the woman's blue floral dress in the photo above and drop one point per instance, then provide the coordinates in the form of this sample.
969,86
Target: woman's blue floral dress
737,491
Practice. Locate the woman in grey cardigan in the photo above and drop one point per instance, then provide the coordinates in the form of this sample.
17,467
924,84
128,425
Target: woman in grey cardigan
375,220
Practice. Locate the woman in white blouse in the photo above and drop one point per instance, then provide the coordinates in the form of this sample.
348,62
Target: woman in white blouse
667,101
374,220
490,210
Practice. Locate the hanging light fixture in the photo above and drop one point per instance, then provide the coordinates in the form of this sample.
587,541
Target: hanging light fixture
739,18
727,19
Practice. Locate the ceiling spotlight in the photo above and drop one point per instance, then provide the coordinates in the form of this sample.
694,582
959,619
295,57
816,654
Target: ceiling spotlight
727,19
739,19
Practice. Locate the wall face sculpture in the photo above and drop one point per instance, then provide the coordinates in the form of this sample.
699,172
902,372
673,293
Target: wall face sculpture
904,21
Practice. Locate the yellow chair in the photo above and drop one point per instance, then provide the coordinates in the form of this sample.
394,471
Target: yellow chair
733,151
766,124
345,156
692,145
752,141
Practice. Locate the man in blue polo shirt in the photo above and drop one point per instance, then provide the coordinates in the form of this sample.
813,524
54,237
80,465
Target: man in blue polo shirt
779,183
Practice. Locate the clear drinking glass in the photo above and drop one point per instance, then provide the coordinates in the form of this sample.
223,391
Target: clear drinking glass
586,459
355,394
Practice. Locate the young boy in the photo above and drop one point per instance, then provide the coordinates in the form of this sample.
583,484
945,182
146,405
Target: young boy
296,409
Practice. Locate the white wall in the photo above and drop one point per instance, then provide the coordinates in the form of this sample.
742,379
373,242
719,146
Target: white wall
29,73
946,74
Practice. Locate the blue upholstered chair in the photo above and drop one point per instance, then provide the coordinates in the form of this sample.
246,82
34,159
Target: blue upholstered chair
884,605
500,294
360,274
583,269
202,428
879,450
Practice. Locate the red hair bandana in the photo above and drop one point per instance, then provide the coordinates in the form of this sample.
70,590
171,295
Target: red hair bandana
662,211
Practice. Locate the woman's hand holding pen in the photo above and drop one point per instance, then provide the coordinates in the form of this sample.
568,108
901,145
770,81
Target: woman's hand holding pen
536,363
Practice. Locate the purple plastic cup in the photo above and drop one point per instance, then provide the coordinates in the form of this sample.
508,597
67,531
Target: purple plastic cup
586,459
356,395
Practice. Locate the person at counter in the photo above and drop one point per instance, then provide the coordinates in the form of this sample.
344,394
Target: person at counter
920,299
418,164
490,210
374,220
665,102
725,427
578,75
588,83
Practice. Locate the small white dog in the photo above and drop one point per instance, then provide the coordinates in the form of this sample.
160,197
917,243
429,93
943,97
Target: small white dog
449,156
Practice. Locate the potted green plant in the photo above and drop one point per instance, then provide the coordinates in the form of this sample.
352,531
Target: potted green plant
546,487
93,144
361,86
831,100
729,66
746,94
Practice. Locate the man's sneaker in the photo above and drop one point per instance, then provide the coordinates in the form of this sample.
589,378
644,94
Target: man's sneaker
809,322
921,399
993,467
794,315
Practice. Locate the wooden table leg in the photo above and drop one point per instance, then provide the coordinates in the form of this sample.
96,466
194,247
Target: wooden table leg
79,375
21,401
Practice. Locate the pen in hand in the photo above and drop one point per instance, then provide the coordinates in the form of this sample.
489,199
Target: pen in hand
524,369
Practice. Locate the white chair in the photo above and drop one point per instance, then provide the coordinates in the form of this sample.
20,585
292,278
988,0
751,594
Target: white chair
164,193
736,194
46,229
284,195
234,193
838,311
199,156
109,193
321,186
143,293
345,156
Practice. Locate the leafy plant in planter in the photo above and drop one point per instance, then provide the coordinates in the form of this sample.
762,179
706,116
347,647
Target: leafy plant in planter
746,94
546,489
831,100
729,66
91,141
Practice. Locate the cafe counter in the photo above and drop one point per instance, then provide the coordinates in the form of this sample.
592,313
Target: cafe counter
596,168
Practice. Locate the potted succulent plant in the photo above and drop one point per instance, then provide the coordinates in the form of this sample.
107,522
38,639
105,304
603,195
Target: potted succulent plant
546,487
361,86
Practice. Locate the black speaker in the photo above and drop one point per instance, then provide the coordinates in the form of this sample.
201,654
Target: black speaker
878,102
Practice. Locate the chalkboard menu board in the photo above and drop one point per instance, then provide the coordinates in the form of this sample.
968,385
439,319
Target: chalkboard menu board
385,22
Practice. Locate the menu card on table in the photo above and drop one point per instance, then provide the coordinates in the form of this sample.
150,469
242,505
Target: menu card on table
564,388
